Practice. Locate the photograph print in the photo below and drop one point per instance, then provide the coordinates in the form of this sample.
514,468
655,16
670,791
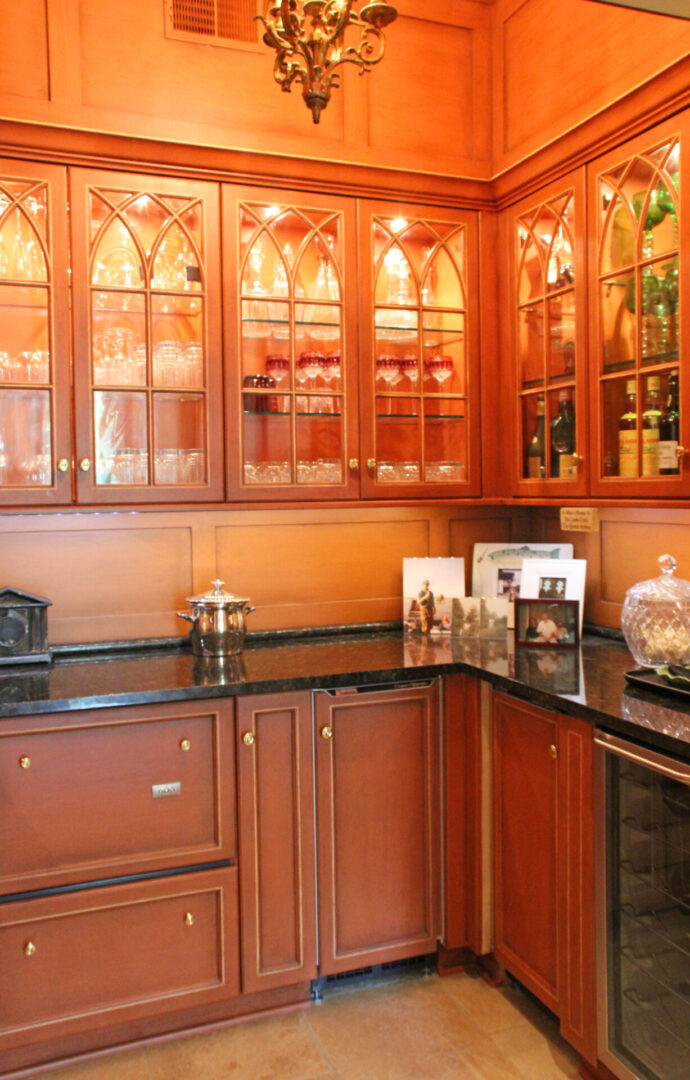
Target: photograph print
432,591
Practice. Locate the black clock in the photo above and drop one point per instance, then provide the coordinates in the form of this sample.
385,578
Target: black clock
23,627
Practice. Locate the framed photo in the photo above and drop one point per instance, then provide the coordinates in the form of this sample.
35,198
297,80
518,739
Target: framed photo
547,623
432,590
496,567
564,580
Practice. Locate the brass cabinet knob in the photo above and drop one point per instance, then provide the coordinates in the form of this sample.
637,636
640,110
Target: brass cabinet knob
578,459
553,750
29,948
185,745
326,732
25,762
63,464
680,452
371,464
189,919
249,738
85,464
353,464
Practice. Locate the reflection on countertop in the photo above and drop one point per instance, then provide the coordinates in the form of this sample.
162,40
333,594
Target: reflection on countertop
589,681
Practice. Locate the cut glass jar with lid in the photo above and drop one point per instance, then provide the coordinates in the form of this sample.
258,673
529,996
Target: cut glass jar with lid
656,618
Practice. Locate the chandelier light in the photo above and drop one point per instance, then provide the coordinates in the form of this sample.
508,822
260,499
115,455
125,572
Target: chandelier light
309,38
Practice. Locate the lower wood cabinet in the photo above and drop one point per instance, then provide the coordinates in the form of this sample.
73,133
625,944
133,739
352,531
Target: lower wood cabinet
543,860
276,839
83,960
377,812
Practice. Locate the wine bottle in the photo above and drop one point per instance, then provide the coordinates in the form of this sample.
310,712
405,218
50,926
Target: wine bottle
650,428
669,425
563,462
627,433
535,456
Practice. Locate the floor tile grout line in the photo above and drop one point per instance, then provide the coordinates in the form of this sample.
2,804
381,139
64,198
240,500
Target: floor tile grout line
304,1018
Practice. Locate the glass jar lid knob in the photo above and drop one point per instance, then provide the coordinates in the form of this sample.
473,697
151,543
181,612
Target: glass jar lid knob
667,564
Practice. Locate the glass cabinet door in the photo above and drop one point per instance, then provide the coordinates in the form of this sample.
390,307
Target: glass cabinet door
638,382
292,381
35,456
547,241
420,414
147,346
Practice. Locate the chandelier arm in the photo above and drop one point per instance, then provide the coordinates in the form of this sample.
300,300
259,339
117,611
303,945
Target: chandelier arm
365,53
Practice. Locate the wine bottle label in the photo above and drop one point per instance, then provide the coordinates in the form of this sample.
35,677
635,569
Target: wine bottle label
627,453
567,467
667,455
535,467
650,451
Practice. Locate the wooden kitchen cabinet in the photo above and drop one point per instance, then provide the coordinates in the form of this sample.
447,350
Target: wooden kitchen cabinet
377,809
639,271
147,338
291,344
543,861
419,351
35,435
276,839
111,792
80,961
545,240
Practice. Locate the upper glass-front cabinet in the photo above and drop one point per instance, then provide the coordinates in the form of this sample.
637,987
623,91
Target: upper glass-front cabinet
34,329
292,364
420,362
148,384
547,244
639,386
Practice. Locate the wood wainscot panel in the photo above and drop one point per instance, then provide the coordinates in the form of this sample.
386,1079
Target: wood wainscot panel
315,574
109,578
23,53
129,64
433,85
558,64
630,550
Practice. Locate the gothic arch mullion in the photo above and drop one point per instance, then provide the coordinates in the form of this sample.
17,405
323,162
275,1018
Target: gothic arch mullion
175,218
95,244
42,242
396,241
265,230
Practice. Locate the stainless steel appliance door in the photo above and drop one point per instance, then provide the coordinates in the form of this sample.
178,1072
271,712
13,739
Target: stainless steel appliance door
643,911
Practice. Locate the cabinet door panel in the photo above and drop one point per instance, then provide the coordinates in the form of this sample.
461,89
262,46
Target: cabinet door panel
526,845
419,349
546,337
290,340
276,835
35,435
639,274
147,341
377,827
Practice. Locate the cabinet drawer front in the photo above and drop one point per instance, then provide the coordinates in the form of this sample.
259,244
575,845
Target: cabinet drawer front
73,962
102,795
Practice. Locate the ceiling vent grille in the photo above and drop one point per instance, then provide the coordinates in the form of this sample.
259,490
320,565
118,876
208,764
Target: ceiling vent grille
216,22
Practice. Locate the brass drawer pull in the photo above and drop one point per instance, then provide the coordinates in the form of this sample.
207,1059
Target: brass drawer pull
63,465
249,738
185,745
326,732
25,762
189,919
29,948
85,464
553,750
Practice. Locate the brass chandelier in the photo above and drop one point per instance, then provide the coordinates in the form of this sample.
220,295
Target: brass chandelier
309,37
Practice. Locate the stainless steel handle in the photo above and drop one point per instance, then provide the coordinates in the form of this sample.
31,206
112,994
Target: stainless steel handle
385,688
649,758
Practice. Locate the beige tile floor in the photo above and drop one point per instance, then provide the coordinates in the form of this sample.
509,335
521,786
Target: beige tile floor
414,1027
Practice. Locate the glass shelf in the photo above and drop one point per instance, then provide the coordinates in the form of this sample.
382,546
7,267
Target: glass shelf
297,322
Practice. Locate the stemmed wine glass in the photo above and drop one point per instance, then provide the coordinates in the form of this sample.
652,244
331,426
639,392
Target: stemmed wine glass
278,367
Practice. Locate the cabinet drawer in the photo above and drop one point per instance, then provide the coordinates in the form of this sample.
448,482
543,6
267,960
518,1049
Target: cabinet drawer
77,961
115,791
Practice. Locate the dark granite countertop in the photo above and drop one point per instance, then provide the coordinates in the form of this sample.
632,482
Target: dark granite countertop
587,682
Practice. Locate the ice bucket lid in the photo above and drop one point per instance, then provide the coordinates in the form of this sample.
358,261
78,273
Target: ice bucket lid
217,597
